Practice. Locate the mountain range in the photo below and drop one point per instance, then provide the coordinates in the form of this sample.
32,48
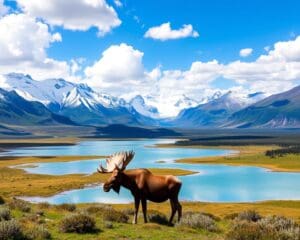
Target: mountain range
24,101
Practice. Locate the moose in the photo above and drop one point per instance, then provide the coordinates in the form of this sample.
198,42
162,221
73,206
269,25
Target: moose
142,184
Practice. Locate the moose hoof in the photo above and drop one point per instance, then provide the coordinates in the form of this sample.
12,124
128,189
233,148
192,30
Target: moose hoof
134,222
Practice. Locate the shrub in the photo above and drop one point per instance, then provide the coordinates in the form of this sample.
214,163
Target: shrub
157,217
278,222
268,228
98,209
283,227
249,215
244,230
114,216
67,207
33,218
37,233
79,223
10,230
4,214
20,205
198,221
1,200
128,211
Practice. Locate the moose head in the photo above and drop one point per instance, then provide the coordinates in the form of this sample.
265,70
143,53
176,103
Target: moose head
115,164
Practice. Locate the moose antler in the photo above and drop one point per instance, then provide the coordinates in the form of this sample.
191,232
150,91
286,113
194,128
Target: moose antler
117,160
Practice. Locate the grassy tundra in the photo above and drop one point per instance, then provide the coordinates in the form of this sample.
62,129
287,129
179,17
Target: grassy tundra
232,221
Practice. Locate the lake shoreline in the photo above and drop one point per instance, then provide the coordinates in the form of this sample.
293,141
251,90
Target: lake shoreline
244,156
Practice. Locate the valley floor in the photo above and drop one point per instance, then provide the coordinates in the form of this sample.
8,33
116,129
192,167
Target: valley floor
16,182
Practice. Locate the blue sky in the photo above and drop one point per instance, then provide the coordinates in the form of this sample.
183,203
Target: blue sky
224,27
211,61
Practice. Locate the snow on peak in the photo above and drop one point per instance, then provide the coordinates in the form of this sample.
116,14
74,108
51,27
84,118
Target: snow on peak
138,103
57,92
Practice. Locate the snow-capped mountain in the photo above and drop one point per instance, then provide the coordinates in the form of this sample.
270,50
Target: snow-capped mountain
58,93
139,104
276,111
15,110
185,102
215,111
77,101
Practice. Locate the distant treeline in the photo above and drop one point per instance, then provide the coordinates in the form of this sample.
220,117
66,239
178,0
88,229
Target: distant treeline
282,151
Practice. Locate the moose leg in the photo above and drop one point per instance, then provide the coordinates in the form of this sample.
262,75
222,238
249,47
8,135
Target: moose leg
144,206
136,209
173,207
179,208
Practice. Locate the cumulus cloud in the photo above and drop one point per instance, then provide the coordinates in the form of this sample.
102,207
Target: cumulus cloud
245,52
119,70
23,45
3,8
74,14
164,32
280,64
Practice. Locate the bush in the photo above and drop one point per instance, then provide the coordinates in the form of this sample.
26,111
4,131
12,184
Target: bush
10,230
1,200
108,213
79,223
128,211
20,205
37,233
198,221
33,218
278,222
269,228
157,217
4,214
244,230
67,207
283,227
249,215
114,216
98,209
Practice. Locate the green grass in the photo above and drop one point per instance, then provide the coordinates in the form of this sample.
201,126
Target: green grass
52,217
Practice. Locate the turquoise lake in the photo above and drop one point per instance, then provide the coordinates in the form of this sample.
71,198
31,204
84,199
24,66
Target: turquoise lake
211,183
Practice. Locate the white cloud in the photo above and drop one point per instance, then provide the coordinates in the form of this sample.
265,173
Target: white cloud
56,37
74,14
280,64
245,52
3,8
23,45
119,70
164,32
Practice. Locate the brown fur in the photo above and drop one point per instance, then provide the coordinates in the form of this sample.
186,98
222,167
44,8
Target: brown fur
146,186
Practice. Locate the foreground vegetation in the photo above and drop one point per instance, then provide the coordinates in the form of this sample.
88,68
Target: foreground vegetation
22,220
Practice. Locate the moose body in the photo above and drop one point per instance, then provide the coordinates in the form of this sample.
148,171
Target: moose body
145,186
